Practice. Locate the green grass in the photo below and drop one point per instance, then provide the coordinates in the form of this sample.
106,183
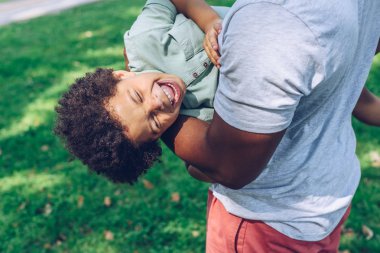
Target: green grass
48,204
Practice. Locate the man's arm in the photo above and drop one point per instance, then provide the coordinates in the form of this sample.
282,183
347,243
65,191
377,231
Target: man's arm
227,155
367,108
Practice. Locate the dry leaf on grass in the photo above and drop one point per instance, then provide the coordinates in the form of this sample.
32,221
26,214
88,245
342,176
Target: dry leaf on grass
195,233
175,197
107,201
80,201
88,34
367,232
147,184
62,237
22,206
374,156
48,209
108,235
44,148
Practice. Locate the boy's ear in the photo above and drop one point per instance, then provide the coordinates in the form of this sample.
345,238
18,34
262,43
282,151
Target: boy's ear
123,74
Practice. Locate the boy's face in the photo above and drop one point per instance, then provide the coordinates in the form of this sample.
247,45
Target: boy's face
146,104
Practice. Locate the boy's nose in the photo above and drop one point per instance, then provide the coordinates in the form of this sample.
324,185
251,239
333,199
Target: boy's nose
155,104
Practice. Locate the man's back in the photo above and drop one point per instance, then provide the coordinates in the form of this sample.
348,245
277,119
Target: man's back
307,66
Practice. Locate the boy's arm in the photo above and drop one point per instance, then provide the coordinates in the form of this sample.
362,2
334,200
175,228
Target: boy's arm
367,108
199,11
207,20
126,61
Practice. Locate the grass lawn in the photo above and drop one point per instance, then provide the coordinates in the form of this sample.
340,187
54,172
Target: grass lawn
48,204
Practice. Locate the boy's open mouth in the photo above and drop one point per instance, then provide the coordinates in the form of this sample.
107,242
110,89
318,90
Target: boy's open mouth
171,90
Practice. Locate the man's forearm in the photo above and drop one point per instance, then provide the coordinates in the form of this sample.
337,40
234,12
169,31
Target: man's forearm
197,10
225,154
187,138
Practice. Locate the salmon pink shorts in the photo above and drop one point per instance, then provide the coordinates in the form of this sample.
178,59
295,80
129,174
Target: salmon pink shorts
227,233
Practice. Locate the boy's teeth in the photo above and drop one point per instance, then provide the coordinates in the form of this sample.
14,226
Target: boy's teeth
172,94
169,96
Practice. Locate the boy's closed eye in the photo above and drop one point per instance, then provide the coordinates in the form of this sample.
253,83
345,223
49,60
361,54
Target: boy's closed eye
139,96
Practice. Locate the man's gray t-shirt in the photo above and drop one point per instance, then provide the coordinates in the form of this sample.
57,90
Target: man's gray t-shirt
297,65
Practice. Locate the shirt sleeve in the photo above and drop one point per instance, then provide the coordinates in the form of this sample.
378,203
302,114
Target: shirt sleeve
156,14
143,41
270,60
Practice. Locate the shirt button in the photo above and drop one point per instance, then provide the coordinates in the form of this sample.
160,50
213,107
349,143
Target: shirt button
195,75
205,64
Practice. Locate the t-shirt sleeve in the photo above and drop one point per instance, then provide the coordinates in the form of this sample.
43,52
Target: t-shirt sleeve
156,14
143,40
270,60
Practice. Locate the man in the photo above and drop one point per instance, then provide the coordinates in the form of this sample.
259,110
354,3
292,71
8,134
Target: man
281,145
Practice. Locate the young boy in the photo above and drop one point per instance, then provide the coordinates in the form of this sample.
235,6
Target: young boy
111,120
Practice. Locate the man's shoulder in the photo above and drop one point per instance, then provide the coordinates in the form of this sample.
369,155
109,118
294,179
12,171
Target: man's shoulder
324,17
326,22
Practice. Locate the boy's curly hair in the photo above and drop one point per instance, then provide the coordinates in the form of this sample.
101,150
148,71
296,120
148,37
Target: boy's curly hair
94,136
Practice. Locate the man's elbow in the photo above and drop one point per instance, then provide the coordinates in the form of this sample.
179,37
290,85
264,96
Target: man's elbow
236,181
232,185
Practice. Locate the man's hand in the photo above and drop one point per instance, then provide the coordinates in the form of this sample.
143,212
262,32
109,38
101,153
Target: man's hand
367,108
210,43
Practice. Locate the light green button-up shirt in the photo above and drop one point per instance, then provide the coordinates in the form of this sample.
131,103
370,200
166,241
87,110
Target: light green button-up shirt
165,41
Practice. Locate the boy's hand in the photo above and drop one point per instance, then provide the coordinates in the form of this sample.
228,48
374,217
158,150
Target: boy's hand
126,61
210,43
